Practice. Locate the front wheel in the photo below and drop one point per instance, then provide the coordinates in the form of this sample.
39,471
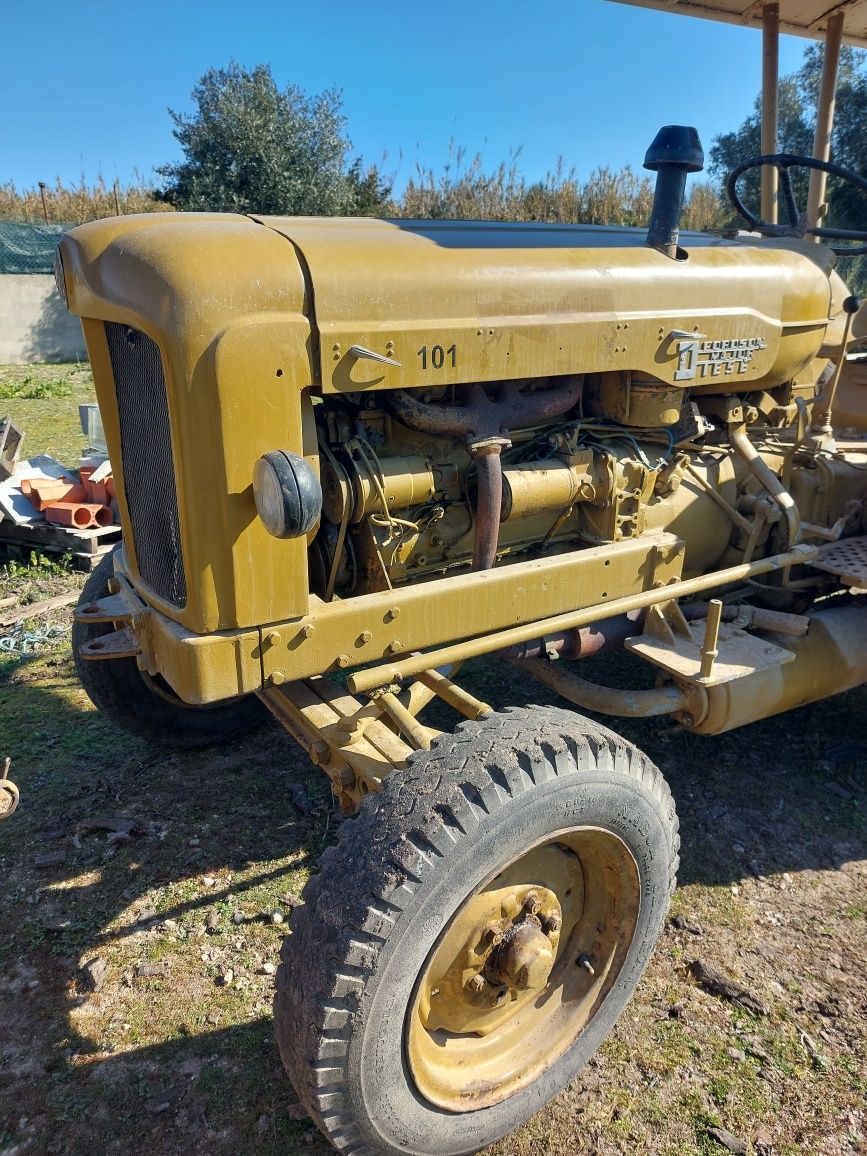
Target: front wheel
148,707
475,934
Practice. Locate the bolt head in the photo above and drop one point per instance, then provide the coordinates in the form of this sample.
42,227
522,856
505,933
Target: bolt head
532,903
276,677
343,661
552,922
477,984
320,753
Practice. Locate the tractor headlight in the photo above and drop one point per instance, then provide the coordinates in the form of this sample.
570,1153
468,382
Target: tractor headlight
287,494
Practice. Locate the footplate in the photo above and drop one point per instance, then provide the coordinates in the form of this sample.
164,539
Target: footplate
675,645
847,558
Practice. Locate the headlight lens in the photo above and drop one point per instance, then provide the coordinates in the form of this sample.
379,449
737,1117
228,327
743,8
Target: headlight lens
287,494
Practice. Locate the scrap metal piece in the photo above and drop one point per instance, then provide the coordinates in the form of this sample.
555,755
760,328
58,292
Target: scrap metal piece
11,438
9,794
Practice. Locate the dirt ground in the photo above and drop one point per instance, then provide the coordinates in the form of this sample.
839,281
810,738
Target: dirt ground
144,896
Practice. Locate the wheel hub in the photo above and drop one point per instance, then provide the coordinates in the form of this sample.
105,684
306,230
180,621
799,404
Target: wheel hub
520,969
502,947
524,959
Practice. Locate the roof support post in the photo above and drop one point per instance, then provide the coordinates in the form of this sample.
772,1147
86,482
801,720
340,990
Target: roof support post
825,116
770,105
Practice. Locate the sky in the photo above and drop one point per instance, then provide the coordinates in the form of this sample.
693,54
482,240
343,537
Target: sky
86,84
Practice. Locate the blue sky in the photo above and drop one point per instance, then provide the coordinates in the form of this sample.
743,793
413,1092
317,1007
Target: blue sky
85,85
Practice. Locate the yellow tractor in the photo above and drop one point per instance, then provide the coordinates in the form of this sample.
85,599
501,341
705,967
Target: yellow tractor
351,455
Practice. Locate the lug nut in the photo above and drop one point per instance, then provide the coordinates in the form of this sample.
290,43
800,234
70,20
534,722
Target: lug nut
492,935
532,904
552,922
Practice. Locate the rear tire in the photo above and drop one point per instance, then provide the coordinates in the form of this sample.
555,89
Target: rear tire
496,808
146,707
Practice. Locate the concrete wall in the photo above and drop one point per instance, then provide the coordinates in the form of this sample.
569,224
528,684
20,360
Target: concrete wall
34,323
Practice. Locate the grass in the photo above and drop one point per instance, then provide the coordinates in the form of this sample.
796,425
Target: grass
183,1061
462,188
43,401
79,202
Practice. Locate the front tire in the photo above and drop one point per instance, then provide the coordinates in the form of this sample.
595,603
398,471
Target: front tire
475,934
148,707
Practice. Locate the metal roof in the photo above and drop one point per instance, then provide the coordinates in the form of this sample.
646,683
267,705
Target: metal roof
798,17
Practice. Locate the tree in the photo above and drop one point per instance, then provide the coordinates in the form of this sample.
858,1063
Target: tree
250,147
799,95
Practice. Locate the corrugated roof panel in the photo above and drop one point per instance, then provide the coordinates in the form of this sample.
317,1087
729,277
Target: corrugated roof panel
798,17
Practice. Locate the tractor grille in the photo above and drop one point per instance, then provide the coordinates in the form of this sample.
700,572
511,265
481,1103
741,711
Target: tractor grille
148,469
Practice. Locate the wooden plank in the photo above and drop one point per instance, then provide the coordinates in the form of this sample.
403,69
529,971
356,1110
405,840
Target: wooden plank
42,535
34,609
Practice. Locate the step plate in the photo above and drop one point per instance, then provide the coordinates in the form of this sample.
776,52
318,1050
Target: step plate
740,653
846,558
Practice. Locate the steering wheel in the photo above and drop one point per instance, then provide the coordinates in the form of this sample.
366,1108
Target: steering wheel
797,226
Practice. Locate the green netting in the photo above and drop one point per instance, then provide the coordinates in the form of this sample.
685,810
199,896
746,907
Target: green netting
28,248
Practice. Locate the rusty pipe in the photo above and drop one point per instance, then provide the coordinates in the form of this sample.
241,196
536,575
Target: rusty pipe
582,642
660,700
489,501
481,417
485,423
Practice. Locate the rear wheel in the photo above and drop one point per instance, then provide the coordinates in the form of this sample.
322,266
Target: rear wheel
145,706
475,934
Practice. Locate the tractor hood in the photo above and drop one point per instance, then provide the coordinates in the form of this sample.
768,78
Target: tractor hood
400,304
456,301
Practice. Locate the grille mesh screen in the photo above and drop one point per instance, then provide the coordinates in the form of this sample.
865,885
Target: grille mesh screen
146,450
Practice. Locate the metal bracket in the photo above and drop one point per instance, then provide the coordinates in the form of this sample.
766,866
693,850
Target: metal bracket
112,608
117,644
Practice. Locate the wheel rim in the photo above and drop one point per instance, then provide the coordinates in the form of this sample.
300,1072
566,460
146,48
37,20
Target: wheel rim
521,969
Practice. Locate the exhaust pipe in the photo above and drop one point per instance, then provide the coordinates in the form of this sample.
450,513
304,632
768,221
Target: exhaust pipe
676,151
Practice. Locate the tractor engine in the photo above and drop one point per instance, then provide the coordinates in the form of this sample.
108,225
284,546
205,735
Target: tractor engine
405,500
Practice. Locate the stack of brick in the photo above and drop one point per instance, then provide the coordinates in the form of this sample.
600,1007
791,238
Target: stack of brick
78,504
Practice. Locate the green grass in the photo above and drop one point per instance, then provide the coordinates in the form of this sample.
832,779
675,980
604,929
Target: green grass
43,401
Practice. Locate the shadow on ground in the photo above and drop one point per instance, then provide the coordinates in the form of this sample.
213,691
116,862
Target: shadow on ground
784,795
